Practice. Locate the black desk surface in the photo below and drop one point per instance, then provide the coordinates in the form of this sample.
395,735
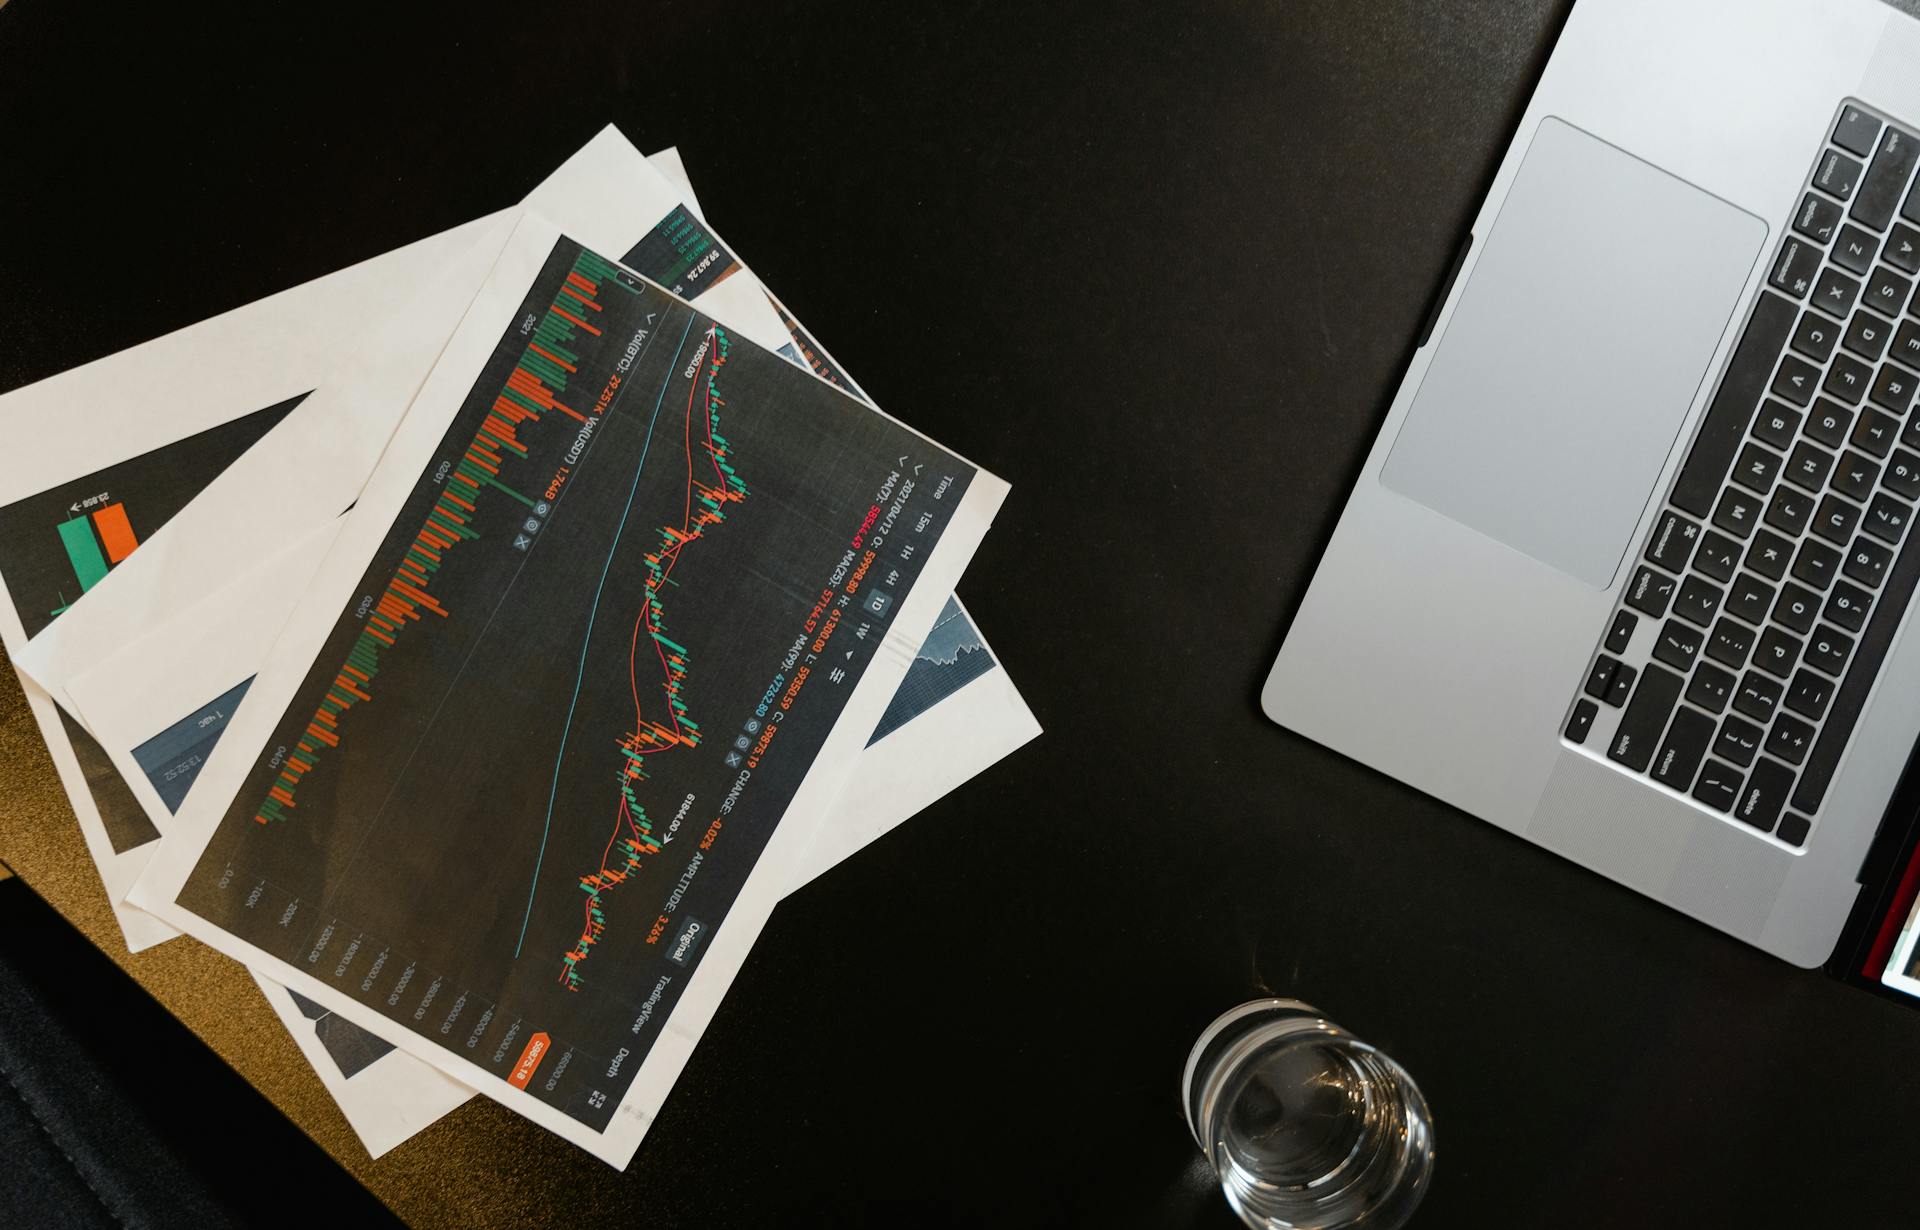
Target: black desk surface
1159,266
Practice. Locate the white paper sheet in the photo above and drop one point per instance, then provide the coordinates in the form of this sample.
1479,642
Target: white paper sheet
158,395
146,688
237,756
82,433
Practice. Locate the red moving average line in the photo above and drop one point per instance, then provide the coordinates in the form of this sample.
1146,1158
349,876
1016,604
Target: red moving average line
703,506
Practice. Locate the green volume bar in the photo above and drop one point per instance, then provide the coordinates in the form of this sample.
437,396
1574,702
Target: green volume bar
84,550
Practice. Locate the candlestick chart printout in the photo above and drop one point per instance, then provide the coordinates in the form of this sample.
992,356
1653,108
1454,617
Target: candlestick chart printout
583,675
57,544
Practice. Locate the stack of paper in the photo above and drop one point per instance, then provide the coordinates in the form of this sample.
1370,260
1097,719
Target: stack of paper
479,641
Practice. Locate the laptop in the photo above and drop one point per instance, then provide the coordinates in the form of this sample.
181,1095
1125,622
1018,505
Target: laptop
1630,568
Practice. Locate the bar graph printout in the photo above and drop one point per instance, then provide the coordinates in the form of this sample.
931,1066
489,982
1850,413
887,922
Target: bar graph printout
59,542
607,629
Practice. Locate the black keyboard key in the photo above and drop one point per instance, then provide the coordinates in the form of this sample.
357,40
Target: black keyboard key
1789,511
1892,390
1764,795
1622,685
1911,210
1756,468
1719,785
1906,343
1757,697
1673,541
1867,336
1903,246
1750,598
1903,474
1887,291
1638,734
1835,520
1769,555
1796,607
1730,643
1848,379
1740,389
1677,646
1835,293
1886,180
1738,741
1838,175
1697,601
1620,635
1855,475
1790,739
1857,131
1600,678
1680,755
1737,512
1868,562
1855,250
1827,650
1809,693
1650,592
1851,697
1711,688
1794,829
1815,337
1582,721
1777,653
1809,466
1797,380
1817,218
1887,518
1718,555
1795,270
1875,433
1847,606
1816,564
1828,421
1776,424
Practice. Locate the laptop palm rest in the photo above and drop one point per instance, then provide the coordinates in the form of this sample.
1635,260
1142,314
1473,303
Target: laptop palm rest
1582,337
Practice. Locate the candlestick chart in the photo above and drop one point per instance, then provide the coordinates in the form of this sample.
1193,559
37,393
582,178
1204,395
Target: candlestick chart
593,655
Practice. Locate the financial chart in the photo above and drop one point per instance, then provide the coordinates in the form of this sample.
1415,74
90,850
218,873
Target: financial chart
585,672
57,544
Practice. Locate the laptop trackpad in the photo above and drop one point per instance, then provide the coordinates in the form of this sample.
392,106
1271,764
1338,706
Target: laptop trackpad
1581,339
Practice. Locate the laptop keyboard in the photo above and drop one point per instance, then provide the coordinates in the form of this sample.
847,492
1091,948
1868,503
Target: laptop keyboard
1764,600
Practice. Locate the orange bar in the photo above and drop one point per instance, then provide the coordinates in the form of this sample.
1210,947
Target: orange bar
116,532
564,314
569,409
582,298
590,287
553,358
285,799
379,636
462,503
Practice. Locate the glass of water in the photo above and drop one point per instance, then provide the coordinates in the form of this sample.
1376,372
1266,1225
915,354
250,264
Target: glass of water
1308,1127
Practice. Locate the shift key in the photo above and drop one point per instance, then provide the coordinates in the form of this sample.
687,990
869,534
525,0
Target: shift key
1646,717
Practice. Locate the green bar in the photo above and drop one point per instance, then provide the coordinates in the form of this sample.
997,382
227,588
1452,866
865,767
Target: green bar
500,486
88,564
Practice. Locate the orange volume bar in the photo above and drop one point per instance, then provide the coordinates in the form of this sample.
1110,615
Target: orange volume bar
115,532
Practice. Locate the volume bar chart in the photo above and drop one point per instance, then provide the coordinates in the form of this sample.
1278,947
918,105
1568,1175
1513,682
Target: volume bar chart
535,387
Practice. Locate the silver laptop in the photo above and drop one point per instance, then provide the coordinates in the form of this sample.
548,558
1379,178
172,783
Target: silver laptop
1629,569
